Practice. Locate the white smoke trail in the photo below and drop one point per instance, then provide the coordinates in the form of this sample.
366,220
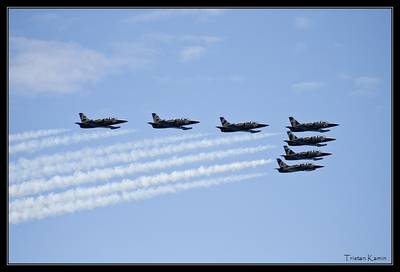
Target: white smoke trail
125,157
27,135
34,145
115,198
41,185
25,165
32,205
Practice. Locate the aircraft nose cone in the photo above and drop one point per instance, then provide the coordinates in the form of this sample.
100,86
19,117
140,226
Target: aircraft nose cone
326,154
195,122
319,166
123,121
262,125
333,125
330,139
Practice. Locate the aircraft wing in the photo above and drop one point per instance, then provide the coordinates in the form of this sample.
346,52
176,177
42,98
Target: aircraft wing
253,131
111,127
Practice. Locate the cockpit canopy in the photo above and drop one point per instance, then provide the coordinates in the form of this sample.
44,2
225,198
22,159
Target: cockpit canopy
179,120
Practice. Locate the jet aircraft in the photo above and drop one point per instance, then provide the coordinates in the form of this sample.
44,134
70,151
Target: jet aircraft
284,168
105,123
172,123
308,155
315,126
247,126
314,140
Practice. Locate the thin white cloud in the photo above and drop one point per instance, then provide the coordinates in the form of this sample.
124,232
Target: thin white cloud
164,14
58,203
365,86
51,66
56,21
150,16
302,23
206,39
345,76
306,86
21,215
27,135
132,55
34,145
236,78
191,53
188,79
158,37
162,37
45,18
233,78
301,47
57,182
337,45
55,67
91,160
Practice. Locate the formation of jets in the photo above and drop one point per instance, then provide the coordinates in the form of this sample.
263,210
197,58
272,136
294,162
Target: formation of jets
298,141
180,123
183,123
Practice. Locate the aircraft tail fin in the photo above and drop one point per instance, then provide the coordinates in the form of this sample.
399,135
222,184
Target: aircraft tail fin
83,117
281,163
293,121
288,150
291,136
156,118
223,121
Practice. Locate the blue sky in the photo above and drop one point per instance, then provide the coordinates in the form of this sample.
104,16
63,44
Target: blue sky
262,65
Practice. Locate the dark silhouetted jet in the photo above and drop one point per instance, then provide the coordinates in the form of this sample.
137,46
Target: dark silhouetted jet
247,126
173,123
284,168
315,126
105,123
314,140
307,155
